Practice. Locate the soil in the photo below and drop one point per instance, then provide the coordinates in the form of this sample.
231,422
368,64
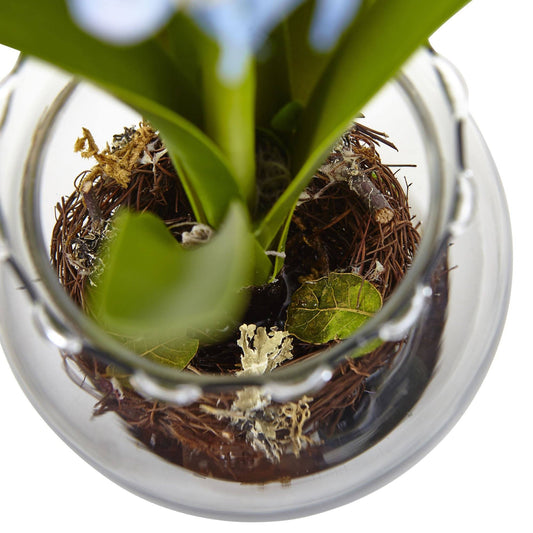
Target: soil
332,229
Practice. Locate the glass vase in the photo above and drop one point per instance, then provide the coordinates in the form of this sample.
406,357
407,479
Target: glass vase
442,322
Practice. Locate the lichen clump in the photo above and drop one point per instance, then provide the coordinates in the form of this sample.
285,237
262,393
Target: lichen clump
270,428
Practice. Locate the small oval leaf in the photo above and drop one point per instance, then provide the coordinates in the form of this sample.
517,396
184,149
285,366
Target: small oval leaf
367,348
175,353
331,308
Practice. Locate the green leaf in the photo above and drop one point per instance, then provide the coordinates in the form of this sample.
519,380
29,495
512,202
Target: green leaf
331,308
380,40
151,285
288,67
180,39
230,118
383,37
176,353
228,111
46,30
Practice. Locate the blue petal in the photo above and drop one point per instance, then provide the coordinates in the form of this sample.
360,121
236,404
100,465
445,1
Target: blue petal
121,22
331,18
240,27
264,16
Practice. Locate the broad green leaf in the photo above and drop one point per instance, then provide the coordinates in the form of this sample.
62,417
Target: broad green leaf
179,39
380,40
305,64
331,308
146,76
228,109
288,67
45,30
230,117
176,353
150,286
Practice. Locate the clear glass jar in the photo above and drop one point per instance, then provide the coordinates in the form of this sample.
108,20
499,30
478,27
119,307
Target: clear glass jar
449,309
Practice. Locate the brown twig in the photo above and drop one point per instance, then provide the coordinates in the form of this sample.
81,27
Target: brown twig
349,162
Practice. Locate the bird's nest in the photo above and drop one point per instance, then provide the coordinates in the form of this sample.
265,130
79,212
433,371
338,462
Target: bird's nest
335,228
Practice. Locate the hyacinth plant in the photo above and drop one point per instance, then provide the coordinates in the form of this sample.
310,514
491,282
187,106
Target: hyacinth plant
209,75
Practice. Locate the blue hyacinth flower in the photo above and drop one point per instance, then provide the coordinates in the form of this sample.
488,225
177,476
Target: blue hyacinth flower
239,26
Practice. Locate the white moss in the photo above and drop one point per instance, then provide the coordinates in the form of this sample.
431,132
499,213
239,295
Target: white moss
270,428
199,234
262,351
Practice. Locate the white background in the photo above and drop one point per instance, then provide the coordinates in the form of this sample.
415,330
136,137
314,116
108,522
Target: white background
479,478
